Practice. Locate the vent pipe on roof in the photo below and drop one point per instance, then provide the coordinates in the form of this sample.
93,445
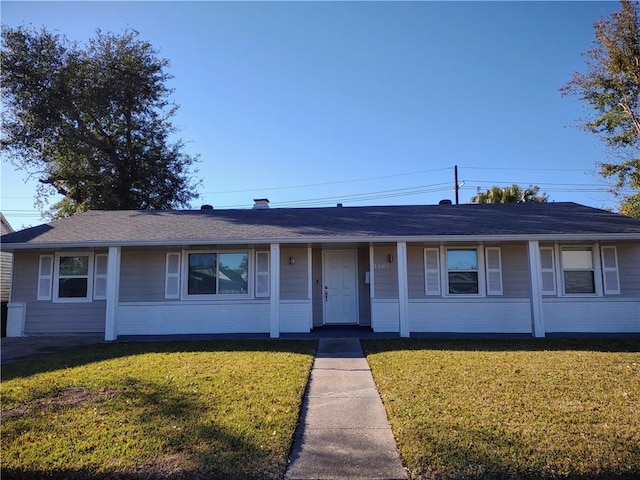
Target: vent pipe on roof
260,203
206,207
446,201
339,205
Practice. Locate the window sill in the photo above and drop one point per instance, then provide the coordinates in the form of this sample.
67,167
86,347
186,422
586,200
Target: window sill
72,300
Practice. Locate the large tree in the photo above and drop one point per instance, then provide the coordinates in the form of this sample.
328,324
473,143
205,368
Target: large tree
611,87
512,194
92,122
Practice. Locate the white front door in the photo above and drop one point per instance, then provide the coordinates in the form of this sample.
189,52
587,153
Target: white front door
340,288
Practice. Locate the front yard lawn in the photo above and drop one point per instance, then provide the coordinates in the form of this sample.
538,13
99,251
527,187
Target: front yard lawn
192,410
493,409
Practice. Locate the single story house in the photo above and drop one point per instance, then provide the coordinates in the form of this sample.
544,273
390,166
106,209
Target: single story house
6,260
422,269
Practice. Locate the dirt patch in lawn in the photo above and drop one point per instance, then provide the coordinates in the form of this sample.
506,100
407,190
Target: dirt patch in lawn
67,397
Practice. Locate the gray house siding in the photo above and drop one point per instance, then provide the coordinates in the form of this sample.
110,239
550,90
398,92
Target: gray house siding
415,270
515,270
364,296
142,275
316,272
45,316
629,269
6,263
385,272
294,279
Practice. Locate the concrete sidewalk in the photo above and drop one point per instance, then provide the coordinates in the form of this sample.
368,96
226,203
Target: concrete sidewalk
343,431
13,349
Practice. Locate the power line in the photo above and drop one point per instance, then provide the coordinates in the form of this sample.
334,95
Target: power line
528,169
356,197
337,182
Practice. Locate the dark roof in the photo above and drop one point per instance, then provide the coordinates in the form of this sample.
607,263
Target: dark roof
540,220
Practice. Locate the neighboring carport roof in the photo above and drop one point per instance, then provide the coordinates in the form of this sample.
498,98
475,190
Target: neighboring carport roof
180,227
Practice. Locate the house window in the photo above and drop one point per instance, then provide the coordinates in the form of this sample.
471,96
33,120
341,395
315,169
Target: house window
214,273
462,271
202,273
233,273
72,277
578,270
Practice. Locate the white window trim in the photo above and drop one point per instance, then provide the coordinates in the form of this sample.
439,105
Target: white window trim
45,277
597,272
215,296
98,276
482,288
56,278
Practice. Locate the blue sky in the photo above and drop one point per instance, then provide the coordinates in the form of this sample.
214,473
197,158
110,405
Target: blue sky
363,103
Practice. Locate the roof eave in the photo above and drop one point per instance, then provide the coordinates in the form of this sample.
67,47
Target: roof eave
320,239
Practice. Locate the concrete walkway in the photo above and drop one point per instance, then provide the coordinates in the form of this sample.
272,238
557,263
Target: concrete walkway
13,349
343,431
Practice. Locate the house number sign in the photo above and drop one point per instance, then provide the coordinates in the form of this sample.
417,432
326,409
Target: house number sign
381,266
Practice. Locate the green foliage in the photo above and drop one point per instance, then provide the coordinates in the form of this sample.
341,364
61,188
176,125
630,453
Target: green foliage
224,409
512,194
93,122
528,409
611,87
631,206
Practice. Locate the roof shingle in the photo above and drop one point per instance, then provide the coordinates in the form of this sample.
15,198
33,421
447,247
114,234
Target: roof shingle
317,224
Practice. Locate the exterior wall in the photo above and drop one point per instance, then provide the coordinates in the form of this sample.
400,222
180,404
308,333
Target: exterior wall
415,270
6,264
385,315
482,315
386,272
515,270
296,316
629,269
47,317
364,298
169,318
143,310
316,287
591,314
294,279
142,275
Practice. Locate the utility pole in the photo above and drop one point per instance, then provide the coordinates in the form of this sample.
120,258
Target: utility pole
455,178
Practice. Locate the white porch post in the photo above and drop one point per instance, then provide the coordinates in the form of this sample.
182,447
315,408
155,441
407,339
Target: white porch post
536,289
403,288
113,281
274,258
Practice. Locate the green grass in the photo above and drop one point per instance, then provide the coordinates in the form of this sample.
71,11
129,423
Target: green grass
224,409
491,409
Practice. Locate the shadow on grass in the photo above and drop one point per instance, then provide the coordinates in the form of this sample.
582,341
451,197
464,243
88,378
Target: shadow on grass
482,455
109,351
473,344
481,449
172,421
201,450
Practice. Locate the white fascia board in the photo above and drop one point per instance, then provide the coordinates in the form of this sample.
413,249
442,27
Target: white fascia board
325,240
